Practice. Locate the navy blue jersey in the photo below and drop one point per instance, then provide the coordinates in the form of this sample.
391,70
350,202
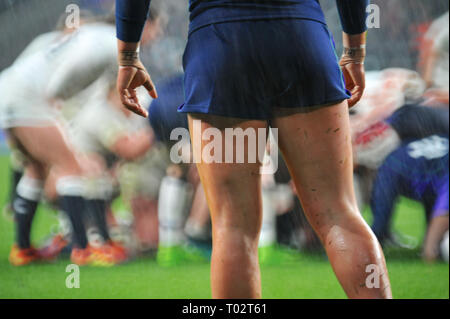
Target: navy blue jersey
204,13
131,14
418,170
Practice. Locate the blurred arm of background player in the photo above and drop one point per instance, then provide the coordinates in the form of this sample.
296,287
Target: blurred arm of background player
130,146
435,232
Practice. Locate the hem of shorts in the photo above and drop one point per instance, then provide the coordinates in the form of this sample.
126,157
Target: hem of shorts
251,18
24,122
297,109
206,110
328,102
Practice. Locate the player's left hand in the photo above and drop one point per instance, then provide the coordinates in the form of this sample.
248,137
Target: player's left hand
130,78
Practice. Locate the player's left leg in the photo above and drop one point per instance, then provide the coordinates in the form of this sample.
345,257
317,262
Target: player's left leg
233,192
26,200
317,148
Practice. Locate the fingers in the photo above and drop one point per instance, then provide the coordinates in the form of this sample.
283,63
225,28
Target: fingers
125,77
131,102
355,82
357,94
151,88
128,79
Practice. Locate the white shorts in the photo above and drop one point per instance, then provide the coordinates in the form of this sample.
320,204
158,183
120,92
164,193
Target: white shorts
21,105
15,117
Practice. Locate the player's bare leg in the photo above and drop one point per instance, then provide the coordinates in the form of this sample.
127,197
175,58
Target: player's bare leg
233,192
318,151
60,158
64,168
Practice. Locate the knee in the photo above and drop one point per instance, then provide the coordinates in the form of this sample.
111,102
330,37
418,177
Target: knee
67,166
344,216
237,236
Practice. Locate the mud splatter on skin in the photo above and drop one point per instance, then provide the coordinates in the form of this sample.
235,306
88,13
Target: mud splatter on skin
337,130
306,134
328,131
313,190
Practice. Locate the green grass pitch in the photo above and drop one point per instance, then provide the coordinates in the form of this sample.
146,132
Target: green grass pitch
310,278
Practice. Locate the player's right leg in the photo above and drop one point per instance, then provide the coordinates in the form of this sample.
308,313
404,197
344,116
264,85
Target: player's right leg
233,192
318,151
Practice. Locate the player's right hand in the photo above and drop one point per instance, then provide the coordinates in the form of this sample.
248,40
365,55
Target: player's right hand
355,81
128,80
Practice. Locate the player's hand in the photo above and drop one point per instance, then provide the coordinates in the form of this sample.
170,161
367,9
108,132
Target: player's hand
130,78
355,81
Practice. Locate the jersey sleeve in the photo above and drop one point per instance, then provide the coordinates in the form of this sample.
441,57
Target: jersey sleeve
353,14
130,19
81,67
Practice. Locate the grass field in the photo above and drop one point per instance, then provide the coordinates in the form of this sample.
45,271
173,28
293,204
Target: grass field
310,278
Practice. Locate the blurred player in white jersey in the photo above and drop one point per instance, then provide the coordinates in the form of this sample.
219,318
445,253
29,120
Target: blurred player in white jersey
100,145
120,136
435,61
29,111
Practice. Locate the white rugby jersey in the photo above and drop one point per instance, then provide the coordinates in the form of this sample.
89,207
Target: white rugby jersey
67,65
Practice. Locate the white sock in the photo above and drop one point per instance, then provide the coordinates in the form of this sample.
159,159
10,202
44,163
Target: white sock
71,186
173,195
30,189
196,231
268,234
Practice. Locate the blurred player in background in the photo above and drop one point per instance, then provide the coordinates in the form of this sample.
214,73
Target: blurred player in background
217,81
418,170
435,61
174,195
436,54
56,72
101,145
392,113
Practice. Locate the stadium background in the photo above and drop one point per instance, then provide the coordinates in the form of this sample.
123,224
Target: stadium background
395,44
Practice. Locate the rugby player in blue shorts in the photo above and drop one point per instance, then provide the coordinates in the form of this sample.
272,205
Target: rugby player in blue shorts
249,64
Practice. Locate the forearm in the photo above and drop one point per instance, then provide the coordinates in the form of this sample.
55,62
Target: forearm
429,68
134,146
354,49
438,227
354,40
130,19
127,46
